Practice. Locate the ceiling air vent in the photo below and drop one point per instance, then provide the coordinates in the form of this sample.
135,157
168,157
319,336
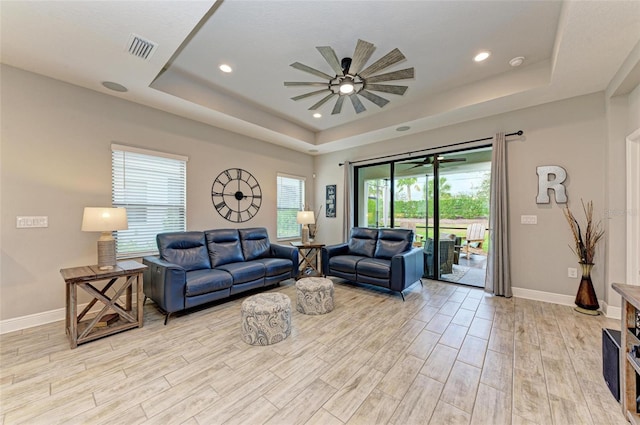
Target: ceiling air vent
140,47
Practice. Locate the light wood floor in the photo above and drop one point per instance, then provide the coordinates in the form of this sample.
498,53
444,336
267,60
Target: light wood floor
448,355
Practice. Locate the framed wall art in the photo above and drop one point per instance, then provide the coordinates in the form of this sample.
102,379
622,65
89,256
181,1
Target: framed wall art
331,201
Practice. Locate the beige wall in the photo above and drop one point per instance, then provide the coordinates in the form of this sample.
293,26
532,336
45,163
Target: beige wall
56,159
570,133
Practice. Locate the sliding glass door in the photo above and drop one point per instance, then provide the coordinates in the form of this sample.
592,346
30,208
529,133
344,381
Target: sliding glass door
449,218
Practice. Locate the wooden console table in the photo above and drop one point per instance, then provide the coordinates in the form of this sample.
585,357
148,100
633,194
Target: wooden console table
129,273
629,363
311,261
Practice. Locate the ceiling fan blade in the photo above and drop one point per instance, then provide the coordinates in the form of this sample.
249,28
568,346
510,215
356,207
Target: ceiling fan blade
395,75
304,83
387,88
357,104
313,93
378,100
305,68
361,55
322,101
386,61
330,56
452,160
337,108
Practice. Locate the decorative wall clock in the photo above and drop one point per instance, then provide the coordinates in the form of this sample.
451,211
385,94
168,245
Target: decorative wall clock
236,195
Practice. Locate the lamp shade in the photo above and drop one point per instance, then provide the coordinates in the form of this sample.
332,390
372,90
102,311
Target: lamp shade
305,217
98,219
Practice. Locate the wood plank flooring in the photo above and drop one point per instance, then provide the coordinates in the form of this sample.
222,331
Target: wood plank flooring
450,354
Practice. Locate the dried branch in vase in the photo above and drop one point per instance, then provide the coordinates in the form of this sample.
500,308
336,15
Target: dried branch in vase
584,243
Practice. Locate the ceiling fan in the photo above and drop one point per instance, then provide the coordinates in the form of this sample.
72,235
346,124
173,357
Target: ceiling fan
352,80
431,159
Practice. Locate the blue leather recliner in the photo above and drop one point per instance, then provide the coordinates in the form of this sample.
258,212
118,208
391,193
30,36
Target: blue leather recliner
382,257
195,268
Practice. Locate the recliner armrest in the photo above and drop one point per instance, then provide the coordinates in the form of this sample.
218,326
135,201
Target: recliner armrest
165,283
406,268
288,253
331,251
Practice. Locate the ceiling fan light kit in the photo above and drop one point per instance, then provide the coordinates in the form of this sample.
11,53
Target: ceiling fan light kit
351,80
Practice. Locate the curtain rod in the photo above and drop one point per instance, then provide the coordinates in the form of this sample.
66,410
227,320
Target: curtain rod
517,133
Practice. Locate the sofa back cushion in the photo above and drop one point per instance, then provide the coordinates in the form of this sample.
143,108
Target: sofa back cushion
255,243
363,241
186,249
393,241
224,246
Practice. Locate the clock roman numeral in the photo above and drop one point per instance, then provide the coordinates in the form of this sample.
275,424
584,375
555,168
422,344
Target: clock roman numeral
228,174
220,205
228,215
217,194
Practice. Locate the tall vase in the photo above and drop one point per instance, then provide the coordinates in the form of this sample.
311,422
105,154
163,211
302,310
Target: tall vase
586,299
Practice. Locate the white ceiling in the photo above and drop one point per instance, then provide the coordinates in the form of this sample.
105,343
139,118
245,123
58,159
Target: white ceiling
570,48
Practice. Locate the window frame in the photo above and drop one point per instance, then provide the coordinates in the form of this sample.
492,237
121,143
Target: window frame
119,195
303,185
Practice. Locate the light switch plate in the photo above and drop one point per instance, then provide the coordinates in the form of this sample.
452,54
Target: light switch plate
528,219
24,222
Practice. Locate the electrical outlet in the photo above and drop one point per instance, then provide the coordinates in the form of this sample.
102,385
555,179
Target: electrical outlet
572,272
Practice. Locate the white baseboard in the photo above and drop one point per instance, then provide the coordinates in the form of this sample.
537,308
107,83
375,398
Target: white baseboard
612,312
24,322
549,297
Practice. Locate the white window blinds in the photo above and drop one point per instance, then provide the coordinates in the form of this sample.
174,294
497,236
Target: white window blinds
290,201
152,187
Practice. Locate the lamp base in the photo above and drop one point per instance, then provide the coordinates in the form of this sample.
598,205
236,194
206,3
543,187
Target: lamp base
305,234
106,254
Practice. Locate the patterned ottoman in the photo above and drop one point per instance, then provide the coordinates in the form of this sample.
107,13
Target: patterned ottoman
266,319
314,295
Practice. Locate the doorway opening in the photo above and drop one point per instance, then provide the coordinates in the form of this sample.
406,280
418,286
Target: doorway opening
450,219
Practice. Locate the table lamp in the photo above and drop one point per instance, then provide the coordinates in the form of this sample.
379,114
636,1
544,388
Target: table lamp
305,218
105,220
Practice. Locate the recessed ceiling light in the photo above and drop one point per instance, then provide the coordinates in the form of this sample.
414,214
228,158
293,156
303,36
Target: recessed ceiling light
403,128
317,115
114,86
225,68
517,61
481,56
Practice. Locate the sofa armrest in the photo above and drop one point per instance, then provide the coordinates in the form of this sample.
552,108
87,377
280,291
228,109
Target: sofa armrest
331,251
288,253
165,283
406,269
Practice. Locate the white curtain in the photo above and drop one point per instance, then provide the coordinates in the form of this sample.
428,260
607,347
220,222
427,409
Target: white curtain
498,278
347,216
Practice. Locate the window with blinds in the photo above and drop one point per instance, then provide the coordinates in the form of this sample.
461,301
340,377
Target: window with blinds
290,193
152,187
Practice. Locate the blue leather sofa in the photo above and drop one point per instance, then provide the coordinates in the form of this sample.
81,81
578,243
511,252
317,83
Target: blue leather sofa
382,257
195,268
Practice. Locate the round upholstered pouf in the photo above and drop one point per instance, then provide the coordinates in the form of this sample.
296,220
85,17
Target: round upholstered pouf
314,295
266,319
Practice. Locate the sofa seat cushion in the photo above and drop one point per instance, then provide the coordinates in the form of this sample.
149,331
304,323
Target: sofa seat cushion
374,267
275,266
345,263
245,271
205,281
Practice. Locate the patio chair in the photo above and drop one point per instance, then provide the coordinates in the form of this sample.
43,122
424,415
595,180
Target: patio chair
474,239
